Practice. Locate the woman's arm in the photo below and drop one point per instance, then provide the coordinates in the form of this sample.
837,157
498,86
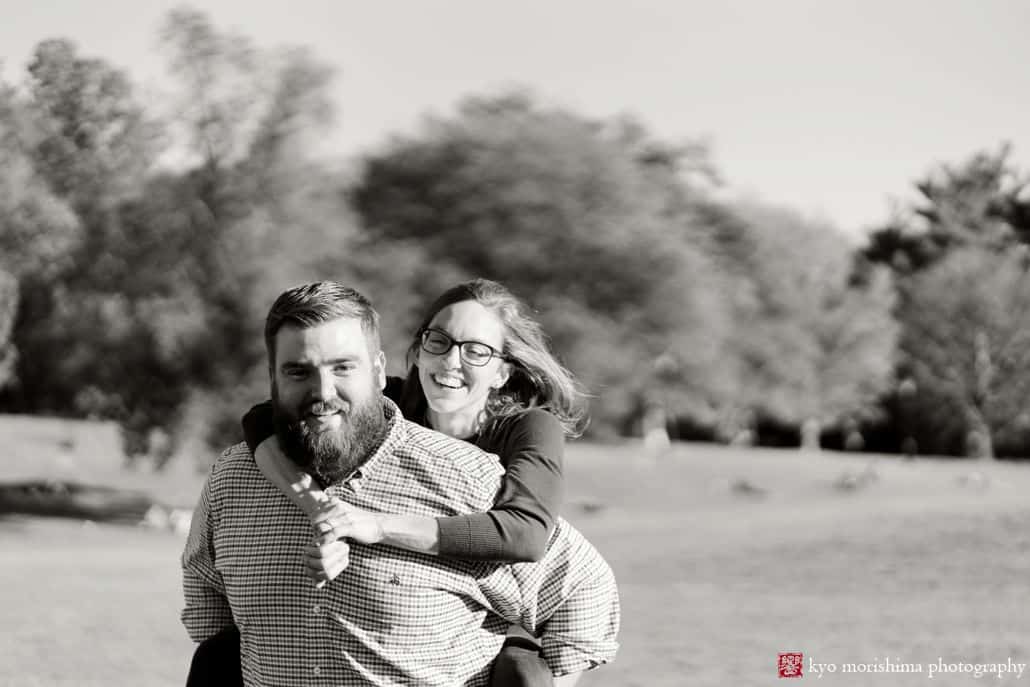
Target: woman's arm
331,516
531,446
258,425
298,485
333,519
517,528
259,433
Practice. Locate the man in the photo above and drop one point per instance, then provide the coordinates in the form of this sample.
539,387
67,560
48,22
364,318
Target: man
390,617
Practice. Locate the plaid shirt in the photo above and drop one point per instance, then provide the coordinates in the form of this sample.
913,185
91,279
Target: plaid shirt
392,617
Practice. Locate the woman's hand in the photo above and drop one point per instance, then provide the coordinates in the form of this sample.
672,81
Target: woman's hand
323,562
335,520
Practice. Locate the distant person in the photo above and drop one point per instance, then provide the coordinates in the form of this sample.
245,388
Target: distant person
377,466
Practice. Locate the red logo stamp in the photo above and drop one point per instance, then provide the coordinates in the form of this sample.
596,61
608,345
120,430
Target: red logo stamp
789,664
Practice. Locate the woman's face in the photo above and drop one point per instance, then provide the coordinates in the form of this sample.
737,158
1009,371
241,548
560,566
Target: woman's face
452,386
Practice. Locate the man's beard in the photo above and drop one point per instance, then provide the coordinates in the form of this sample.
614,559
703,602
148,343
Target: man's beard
333,454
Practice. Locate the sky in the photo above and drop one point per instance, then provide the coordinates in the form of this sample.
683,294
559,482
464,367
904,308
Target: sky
831,107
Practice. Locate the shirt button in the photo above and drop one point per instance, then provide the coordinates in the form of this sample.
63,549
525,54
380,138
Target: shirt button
317,610
316,670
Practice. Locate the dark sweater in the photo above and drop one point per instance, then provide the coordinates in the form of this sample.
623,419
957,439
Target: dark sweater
531,447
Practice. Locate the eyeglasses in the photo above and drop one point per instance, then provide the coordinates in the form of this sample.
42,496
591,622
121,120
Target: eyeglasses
474,353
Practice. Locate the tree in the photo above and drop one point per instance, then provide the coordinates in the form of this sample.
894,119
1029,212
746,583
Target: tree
260,211
958,259
84,154
982,201
8,310
568,213
815,338
144,285
967,348
38,231
95,143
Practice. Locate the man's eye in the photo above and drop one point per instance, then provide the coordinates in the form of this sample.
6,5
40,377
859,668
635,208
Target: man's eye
344,369
296,374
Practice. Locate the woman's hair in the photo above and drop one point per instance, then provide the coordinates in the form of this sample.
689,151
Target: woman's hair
537,379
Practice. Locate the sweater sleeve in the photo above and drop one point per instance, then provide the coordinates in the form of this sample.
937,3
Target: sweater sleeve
532,448
393,388
258,424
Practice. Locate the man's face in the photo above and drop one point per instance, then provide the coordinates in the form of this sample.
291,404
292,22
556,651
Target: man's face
326,391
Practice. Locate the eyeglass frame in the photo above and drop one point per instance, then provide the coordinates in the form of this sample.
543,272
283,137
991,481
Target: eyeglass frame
494,353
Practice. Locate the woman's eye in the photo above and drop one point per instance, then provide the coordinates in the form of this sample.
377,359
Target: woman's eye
478,352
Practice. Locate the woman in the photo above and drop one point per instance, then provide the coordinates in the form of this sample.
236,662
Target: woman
481,370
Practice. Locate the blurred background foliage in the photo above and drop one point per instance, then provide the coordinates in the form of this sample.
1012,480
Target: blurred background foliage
139,252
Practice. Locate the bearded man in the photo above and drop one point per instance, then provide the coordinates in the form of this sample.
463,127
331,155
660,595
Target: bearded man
392,616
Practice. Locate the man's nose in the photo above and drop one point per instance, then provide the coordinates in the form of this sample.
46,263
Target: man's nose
325,385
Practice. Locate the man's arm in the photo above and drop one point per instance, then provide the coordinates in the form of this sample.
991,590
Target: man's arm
207,610
569,599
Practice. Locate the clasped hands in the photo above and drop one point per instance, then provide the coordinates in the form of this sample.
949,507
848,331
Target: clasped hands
336,522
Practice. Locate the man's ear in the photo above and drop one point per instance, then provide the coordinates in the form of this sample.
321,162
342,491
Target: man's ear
379,365
501,378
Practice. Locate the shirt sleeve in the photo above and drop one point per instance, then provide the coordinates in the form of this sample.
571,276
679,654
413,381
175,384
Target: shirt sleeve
569,599
518,526
581,633
206,610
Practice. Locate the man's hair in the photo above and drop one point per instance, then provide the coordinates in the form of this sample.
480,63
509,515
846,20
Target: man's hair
310,305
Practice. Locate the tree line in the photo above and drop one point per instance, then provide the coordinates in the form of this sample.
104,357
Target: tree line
139,251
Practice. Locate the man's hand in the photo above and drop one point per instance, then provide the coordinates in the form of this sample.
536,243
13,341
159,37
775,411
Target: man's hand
336,520
324,562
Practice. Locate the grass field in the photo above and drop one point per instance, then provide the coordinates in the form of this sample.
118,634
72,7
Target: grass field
716,575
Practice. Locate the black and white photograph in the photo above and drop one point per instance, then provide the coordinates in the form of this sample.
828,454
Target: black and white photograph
539,344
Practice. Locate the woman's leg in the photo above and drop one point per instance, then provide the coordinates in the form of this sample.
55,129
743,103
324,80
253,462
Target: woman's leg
216,662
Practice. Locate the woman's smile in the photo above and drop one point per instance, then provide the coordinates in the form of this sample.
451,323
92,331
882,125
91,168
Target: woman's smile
448,381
